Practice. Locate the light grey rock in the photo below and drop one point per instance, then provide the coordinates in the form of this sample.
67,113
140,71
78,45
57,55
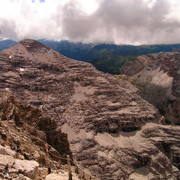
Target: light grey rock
21,176
158,78
61,176
56,177
6,160
7,151
26,167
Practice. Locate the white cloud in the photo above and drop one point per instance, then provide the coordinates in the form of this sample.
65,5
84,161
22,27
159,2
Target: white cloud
113,21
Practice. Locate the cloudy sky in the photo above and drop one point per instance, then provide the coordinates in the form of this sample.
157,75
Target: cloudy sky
110,21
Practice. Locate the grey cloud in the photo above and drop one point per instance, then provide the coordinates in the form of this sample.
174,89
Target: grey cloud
7,29
115,21
127,20
75,25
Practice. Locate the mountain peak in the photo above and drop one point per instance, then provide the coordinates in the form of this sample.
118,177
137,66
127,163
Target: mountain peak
33,45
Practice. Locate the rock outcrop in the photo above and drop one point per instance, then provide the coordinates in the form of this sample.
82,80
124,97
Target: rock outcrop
158,78
25,132
109,126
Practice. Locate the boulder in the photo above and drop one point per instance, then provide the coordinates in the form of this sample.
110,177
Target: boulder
56,177
7,151
21,176
26,167
60,176
6,160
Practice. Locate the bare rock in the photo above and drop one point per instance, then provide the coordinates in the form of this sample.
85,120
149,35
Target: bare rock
61,176
21,176
6,160
11,165
28,125
158,78
6,151
111,130
24,138
28,168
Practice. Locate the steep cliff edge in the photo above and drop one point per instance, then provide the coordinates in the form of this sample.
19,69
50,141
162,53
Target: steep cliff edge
109,126
158,78
28,134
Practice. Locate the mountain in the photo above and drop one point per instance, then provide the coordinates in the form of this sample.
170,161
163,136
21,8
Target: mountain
111,62
115,56
6,44
78,51
158,78
112,132
108,58
88,52
137,50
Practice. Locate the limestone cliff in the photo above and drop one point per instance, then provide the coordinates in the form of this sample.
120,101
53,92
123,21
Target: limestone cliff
158,78
109,126
25,133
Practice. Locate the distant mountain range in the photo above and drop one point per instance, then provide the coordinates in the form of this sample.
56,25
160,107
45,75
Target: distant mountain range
7,43
105,57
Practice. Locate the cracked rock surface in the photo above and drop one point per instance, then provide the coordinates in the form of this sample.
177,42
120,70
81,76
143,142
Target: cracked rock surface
113,133
24,133
158,78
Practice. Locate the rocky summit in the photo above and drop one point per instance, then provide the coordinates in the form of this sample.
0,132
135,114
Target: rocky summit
112,132
158,78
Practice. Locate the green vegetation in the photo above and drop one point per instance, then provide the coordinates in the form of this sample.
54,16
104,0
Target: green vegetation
139,85
111,62
106,57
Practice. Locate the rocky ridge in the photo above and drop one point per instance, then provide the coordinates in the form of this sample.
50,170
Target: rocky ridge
158,78
112,131
29,140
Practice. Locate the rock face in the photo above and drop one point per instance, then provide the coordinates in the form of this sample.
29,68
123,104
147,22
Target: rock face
158,78
28,168
105,119
61,176
24,133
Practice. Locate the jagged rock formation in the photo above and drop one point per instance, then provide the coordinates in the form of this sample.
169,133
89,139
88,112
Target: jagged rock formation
158,78
24,134
105,119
